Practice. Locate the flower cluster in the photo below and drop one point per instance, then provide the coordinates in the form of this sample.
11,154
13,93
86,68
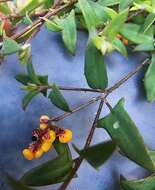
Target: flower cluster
43,138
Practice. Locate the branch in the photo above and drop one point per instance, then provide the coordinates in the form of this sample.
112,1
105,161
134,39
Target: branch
88,141
40,21
91,101
41,88
106,93
127,77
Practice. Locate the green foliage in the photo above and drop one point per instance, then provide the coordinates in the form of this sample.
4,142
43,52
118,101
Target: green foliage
52,26
115,25
69,35
149,80
98,154
142,184
17,185
95,68
123,130
53,171
9,47
57,99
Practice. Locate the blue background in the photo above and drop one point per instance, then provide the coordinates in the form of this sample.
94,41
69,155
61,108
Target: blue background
50,57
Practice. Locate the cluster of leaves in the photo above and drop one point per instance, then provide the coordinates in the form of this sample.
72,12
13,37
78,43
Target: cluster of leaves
104,20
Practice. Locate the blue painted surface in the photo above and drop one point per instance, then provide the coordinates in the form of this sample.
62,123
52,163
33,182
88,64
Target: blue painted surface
50,57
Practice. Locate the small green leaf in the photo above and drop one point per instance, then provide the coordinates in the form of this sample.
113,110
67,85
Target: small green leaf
9,46
148,22
24,53
98,154
27,20
89,15
26,35
30,5
28,98
123,130
115,25
142,184
149,80
125,4
53,171
145,47
52,26
131,32
57,99
69,34
31,71
95,68
119,46
108,2
17,185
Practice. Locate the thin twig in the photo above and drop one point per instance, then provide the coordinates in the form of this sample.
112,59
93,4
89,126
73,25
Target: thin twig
87,144
128,76
106,93
134,14
41,88
40,21
91,101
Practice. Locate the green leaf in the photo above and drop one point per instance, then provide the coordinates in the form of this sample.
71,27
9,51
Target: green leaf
52,26
9,47
31,71
27,99
53,171
131,32
98,154
123,130
24,53
30,5
69,34
4,8
57,99
26,35
144,47
125,4
148,22
108,2
17,185
119,46
95,68
89,14
115,25
142,184
149,81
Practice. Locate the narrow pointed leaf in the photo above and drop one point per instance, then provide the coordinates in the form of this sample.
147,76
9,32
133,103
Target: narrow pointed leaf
17,185
149,81
98,154
51,172
95,68
58,100
119,46
115,25
148,22
142,184
125,4
123,130
131,32
145,47
31,72
9,47
69,33
52,26
108,2
27,99
89,15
